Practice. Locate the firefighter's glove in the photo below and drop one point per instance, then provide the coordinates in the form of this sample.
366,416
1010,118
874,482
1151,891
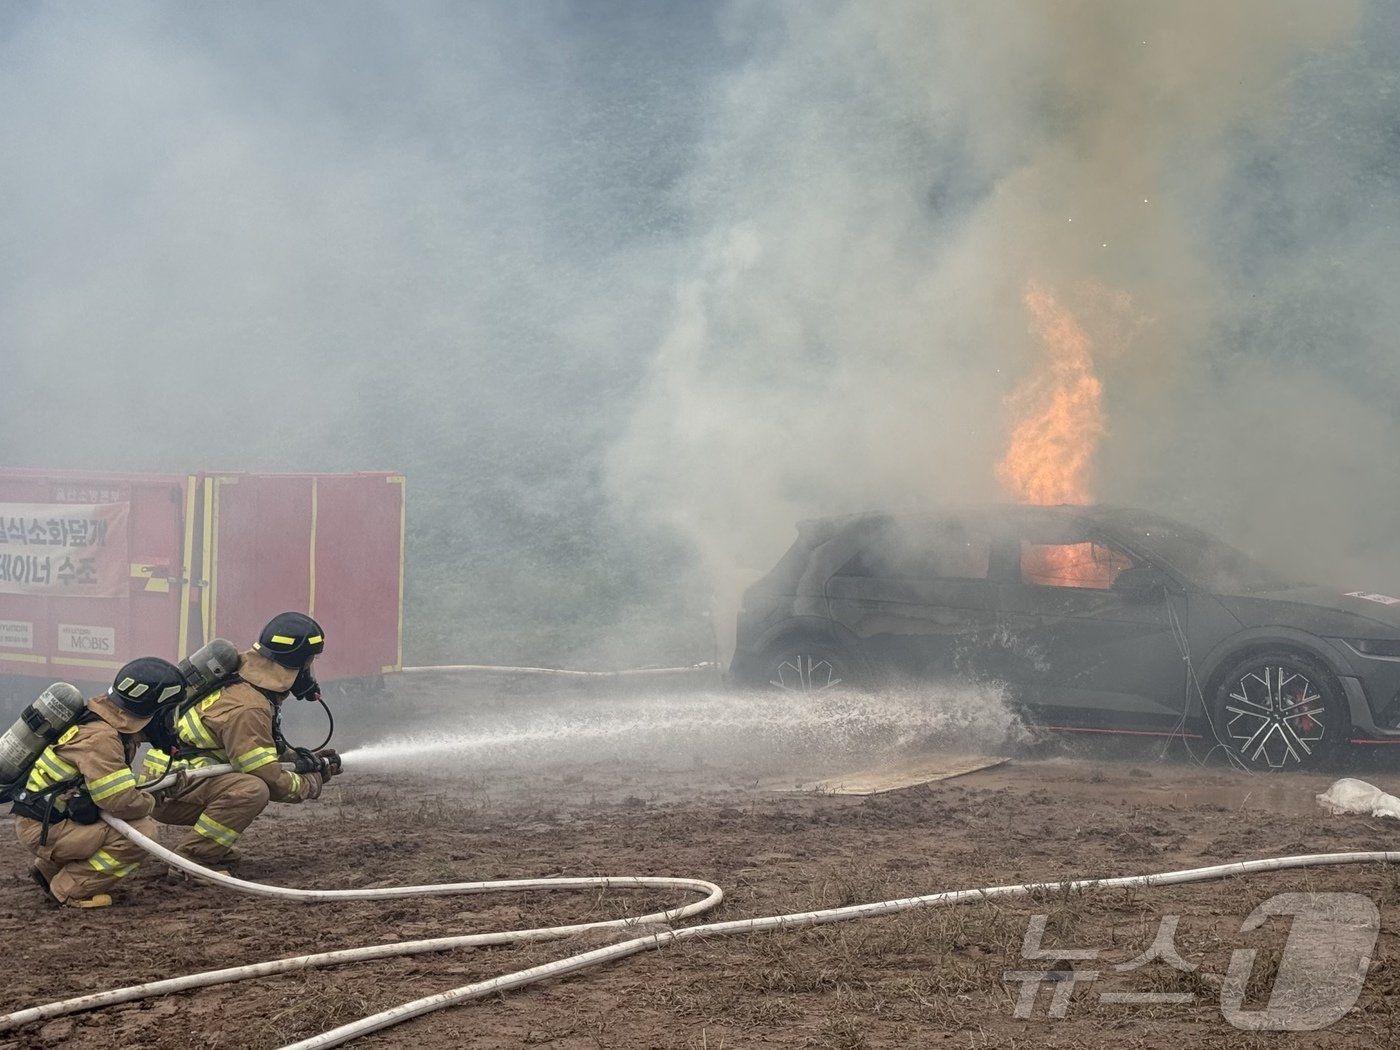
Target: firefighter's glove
313,786
175,788
305,760
83,810
330,762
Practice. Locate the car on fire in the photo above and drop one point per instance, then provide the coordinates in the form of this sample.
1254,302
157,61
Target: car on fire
1094,618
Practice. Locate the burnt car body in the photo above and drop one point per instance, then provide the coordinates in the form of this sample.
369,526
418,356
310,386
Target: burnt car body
1093,617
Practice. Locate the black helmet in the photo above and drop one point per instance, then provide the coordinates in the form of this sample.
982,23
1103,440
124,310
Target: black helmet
144,684
291,639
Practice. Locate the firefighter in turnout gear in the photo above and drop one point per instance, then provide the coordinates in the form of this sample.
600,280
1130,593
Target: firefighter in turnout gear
87,770
239,724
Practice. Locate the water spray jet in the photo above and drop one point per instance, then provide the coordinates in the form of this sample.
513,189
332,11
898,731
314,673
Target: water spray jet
760,727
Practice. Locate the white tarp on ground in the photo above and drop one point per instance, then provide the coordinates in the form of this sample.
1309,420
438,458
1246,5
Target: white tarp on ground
1357,796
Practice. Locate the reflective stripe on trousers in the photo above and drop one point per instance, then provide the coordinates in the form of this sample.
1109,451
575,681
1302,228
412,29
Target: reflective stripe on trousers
213,830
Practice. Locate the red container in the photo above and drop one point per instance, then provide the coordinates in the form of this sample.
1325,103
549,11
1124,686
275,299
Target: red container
96,569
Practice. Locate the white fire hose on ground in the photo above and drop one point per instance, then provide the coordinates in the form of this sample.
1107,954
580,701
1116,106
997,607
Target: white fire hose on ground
572,964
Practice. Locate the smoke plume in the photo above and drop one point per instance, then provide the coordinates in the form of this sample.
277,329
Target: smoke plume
626,289
881,184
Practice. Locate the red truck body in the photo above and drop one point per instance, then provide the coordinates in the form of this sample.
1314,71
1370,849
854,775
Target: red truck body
99,568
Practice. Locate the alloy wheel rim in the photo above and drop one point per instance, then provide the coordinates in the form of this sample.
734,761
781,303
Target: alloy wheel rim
1276,716
806,673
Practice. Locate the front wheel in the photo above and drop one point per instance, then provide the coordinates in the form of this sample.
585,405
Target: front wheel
1280,710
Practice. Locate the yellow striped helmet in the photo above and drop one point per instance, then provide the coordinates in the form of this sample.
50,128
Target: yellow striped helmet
291,639
145,684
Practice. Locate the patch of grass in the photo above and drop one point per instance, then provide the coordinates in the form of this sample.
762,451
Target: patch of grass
844,1031
315,1007
1261,976
385,803
854,884
783,967
436,809
704,1042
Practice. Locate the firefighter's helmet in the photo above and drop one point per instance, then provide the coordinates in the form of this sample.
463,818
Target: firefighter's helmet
291,639
145,684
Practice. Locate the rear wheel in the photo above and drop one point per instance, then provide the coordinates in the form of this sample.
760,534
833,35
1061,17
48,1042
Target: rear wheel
1280,710
800,666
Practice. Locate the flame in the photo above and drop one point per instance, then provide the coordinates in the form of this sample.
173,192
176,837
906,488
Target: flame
1057,413
1071,564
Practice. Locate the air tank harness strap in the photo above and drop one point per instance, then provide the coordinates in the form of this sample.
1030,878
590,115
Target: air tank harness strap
279,741
166,740
42,806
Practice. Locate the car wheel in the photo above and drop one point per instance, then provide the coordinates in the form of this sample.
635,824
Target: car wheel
1280,710
801,666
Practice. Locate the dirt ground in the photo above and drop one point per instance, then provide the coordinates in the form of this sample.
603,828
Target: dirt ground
932,976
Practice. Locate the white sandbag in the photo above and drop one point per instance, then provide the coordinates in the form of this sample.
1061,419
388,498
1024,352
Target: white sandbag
1357,796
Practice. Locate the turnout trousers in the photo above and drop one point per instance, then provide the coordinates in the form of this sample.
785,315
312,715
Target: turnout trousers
218,810
82,860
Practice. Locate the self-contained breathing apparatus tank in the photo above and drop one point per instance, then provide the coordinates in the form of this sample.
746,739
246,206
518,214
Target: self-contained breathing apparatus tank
38,726
212,665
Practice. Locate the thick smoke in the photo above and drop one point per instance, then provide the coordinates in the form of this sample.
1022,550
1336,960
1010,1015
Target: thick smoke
430,237
353,234
881,182
595,274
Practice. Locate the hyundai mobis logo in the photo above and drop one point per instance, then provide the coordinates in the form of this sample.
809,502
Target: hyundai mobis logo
1318,978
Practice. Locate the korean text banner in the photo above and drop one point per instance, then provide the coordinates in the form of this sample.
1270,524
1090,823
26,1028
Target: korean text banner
58,549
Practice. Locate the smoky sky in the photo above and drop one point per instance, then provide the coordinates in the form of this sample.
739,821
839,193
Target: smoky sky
1211,188
301,220
593,272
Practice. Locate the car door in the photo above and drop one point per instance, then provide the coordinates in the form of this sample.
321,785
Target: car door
917,595
1090,655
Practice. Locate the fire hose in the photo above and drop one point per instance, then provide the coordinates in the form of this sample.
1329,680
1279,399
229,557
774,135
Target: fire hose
668,934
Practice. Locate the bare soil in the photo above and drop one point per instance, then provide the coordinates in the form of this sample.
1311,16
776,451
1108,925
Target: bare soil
932,976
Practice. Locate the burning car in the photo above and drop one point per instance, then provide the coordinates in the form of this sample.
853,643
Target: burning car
1095,618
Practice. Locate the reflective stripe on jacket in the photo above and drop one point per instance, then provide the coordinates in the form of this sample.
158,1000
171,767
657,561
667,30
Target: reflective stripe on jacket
233,725
98,757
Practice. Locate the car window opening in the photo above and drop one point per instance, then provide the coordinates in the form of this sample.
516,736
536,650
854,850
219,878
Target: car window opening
1087,565
937,554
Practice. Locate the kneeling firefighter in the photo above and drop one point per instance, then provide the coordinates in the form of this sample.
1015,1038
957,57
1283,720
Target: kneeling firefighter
240,724
85,771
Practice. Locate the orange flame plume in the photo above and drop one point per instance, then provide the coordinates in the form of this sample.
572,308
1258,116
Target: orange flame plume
1057,422
1057,413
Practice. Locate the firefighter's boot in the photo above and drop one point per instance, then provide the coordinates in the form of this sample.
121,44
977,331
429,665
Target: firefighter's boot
97,900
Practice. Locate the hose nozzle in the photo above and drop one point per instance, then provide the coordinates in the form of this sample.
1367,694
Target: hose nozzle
330,762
